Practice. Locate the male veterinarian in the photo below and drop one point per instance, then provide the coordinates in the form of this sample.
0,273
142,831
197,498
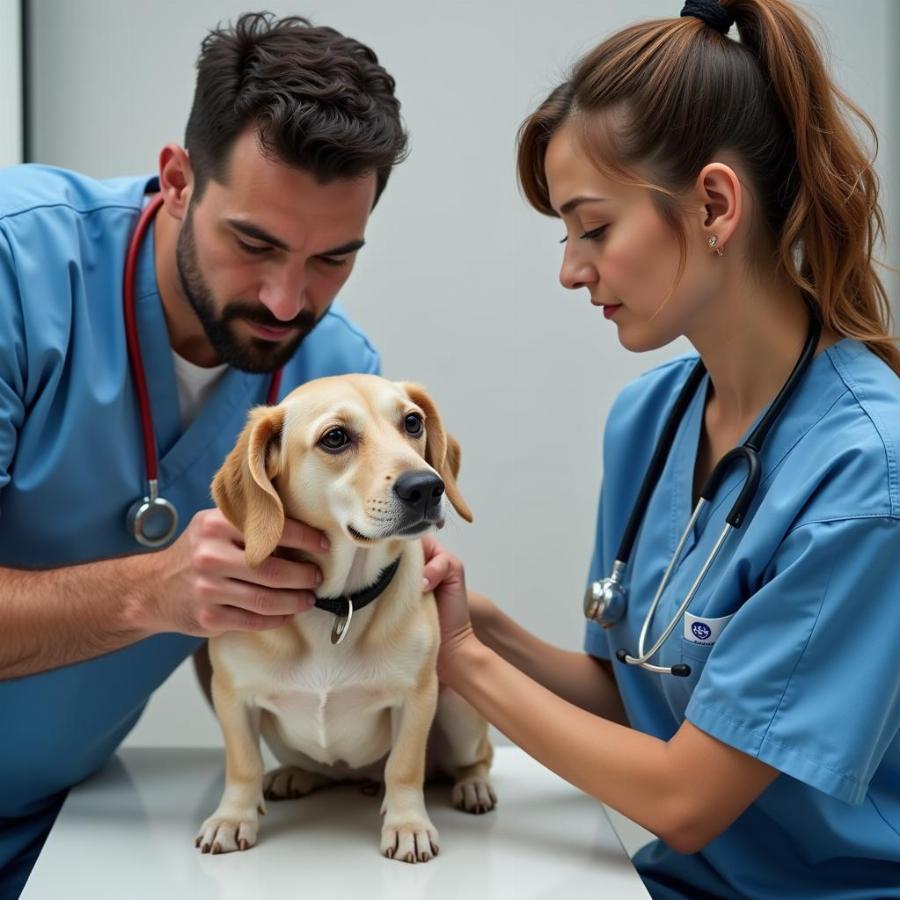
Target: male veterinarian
123,387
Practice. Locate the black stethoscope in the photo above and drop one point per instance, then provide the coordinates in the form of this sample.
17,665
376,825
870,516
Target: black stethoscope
605,600
152,519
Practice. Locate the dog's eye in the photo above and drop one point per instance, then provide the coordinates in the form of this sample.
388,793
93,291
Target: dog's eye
335,439
413,424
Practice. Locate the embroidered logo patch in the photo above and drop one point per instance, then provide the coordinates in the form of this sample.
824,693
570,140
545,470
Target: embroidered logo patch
702,631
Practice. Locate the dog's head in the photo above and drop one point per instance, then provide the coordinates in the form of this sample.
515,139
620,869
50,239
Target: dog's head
355,454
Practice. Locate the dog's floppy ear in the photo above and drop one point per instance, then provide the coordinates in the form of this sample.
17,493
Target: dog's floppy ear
243,490
454,454
442,451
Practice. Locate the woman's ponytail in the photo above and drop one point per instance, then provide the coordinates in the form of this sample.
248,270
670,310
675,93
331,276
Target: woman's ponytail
834,221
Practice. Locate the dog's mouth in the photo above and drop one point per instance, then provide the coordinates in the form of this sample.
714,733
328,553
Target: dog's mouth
418,528
359,537
406,530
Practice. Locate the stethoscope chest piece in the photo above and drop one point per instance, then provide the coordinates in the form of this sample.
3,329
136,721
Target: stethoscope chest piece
153,520
604,600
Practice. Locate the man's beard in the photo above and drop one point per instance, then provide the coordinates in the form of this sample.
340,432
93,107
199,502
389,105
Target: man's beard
248,354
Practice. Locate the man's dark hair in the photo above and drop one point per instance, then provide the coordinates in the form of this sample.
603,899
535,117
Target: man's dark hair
320,101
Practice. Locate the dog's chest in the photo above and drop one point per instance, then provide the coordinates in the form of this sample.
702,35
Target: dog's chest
335,703
322,688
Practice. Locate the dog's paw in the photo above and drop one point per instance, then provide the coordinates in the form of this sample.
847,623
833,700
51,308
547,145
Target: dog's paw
225,833
289,782
474,794
412,840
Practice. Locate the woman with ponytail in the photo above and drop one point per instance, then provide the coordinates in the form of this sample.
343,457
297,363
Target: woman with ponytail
713,188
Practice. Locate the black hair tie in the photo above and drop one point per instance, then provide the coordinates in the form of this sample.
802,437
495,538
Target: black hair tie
710,12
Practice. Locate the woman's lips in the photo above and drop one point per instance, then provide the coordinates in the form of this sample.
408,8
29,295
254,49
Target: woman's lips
610,309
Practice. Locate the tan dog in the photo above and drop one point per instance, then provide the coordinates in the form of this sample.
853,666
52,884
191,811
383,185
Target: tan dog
368,462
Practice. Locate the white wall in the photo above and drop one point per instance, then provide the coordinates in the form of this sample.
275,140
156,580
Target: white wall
458,282
10,83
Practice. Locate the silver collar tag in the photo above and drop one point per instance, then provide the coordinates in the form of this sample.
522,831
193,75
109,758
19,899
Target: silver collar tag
342,624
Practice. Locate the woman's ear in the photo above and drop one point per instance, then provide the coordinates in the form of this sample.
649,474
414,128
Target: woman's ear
442,451
721,196
243,489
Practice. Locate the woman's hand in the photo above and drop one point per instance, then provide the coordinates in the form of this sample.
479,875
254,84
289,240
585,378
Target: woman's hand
444,574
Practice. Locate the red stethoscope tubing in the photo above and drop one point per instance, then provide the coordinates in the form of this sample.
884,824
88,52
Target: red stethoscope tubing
134,347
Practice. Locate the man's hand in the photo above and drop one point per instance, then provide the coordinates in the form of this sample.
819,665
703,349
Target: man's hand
203,586
444,574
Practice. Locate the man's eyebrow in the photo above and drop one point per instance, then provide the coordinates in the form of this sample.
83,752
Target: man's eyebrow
344,249
575,202
257,233
260,234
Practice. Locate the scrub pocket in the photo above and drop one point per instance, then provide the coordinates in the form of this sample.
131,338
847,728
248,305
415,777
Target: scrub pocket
695,656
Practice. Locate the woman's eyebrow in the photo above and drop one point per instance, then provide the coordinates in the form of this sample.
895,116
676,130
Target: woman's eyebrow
575,202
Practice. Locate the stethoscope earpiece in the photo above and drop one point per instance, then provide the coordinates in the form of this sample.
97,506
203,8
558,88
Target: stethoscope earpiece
679,671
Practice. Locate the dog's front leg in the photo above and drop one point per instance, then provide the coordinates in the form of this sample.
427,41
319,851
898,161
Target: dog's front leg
234,824
407,833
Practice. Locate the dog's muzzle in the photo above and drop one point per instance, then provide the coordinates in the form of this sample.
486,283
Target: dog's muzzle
420,494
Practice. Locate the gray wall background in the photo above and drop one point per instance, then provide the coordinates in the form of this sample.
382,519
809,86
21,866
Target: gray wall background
11,125
458,286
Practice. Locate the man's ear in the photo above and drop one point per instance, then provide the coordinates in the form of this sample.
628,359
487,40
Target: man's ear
176,179
243,489
442,451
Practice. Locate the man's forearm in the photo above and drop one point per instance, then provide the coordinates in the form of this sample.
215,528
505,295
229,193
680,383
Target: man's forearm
55,617
576,677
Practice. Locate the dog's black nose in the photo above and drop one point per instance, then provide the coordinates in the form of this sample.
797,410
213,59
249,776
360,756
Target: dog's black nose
419,491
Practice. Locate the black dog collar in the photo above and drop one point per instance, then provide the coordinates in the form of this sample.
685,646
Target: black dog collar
339,605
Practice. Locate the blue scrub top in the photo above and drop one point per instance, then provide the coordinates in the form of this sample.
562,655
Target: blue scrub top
805,675
72,462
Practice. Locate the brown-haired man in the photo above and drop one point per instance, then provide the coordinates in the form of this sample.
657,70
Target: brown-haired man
256,224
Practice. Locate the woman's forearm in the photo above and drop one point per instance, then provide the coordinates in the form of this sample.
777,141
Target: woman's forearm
687,789
625,768
576,677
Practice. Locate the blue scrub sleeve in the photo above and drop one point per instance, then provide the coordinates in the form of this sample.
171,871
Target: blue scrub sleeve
12,363
806,675
595,640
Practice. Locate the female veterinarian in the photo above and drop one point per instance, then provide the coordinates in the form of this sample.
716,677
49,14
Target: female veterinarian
711,189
